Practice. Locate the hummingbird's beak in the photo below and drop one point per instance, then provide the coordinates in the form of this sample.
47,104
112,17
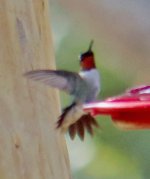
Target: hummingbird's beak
91,44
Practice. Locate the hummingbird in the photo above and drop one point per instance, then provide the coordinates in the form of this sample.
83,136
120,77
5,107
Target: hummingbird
83,86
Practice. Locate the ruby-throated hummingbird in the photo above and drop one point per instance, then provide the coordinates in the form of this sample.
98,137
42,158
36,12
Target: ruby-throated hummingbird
83,86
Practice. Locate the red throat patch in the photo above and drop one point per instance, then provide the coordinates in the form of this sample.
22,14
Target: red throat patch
88,63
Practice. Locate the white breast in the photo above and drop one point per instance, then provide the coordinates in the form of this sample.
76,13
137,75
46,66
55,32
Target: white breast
92,77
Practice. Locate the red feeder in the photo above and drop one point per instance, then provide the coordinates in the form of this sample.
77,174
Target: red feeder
130,110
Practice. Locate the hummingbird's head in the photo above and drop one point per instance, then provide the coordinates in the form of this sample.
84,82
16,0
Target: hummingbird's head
87,61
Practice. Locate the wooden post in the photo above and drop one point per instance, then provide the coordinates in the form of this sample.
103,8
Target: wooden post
30,147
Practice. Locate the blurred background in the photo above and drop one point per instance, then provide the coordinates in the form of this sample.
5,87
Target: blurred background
121,33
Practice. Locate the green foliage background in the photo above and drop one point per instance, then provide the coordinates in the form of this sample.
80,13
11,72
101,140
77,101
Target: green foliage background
115,154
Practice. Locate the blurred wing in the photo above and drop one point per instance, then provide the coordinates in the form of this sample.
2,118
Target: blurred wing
60,79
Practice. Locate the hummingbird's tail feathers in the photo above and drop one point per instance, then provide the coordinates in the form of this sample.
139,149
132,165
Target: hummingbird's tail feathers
89,123
64,114
86,122
80,129
77,128
72,130
76,121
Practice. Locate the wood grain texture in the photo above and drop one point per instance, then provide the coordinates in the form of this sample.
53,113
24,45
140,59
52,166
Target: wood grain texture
30,147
